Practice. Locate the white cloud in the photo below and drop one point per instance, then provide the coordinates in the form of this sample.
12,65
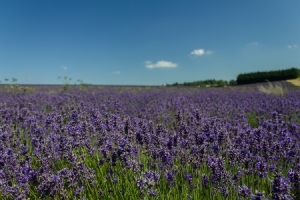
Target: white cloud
64,67
292,46
253,44
116,72
201,52
160,64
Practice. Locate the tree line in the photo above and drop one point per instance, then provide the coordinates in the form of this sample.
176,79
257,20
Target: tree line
206,83
276,75
246,78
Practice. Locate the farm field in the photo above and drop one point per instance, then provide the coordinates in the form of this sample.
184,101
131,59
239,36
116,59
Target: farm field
150,143
294,81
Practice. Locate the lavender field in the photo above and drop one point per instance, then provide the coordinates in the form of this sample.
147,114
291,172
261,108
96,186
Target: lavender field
150,143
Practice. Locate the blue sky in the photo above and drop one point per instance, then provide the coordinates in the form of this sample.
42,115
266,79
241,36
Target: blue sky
145,42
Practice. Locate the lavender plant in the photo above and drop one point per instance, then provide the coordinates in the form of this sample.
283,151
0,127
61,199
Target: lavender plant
158,143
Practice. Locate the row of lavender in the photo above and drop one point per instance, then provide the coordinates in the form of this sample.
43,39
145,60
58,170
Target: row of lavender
161,143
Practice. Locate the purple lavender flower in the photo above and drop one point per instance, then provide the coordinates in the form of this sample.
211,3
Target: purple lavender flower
169,175
258,196
140,184
187,176
205,181
294,177
224,191
281,188
152,193
262,169
244,191
151,176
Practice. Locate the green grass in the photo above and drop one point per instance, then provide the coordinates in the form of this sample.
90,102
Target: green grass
252,119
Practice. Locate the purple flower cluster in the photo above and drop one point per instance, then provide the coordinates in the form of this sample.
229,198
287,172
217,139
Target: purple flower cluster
53,144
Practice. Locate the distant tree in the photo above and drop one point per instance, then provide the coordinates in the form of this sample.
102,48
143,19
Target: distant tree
221,83
210,82
278,75
232,82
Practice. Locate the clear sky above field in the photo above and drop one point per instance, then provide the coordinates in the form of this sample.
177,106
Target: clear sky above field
146,42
